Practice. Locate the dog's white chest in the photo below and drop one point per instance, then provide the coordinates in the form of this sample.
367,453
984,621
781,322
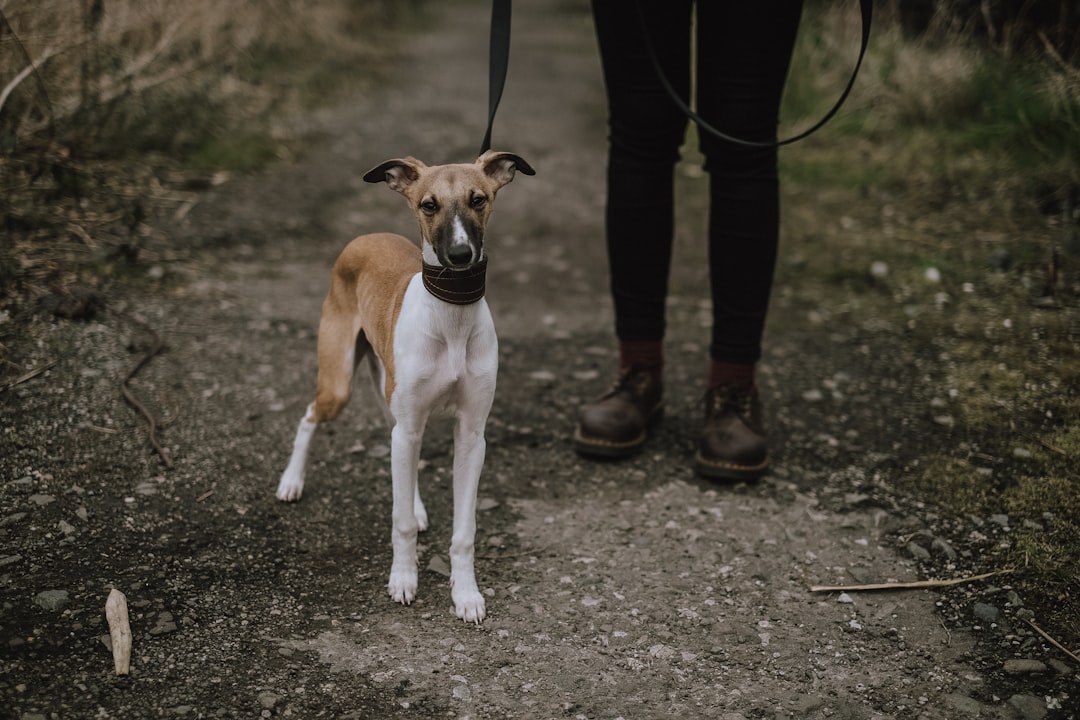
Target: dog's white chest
443,360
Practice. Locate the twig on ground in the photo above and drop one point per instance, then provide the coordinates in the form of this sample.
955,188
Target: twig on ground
205,495
116,613
906,585
1052,641
27,376
156,347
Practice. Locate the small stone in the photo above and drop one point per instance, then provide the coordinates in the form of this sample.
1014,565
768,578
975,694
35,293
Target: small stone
1024,666
438,564
9,559
66,527
942,547
269,699
986,613
41,499
12,519
462,693
879,269
917,551
51,600
814,395
1029,706
844,598
1001,520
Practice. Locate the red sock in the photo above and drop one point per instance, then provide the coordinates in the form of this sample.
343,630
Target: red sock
726,373
641,353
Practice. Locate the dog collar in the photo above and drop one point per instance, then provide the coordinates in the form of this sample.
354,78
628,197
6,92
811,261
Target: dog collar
458,287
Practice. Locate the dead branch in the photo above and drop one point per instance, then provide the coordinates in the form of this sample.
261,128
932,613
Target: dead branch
906,585
27,376
1052,641
156,346
25,73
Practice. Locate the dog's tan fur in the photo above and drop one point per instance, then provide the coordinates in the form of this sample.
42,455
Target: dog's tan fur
366,311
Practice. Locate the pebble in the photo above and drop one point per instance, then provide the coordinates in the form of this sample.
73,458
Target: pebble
438,564
268,699
1024,666
51,599
1029,706
12,519
917,551
986,613
943,547
41,499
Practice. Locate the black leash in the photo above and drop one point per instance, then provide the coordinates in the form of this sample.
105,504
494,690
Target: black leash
498,62
865,8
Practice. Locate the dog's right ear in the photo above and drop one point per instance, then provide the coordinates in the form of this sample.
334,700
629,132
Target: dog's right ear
398,173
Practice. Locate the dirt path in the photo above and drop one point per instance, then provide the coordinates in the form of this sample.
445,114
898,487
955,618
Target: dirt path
614,590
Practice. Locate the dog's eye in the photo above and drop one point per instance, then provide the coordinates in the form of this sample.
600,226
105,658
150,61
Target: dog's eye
429,206
478,201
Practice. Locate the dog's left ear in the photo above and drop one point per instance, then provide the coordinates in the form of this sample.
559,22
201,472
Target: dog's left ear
501,166
398,173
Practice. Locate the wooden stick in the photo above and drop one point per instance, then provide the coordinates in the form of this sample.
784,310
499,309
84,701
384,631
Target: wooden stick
1052,641
116,613
27,376
906,585
152,425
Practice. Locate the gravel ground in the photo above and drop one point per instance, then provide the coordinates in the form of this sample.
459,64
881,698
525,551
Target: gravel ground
615,590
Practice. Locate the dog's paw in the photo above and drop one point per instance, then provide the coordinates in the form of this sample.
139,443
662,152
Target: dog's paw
402,586
421,519
469,605
290,488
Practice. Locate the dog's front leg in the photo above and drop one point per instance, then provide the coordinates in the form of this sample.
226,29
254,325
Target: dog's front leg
404,460
469,450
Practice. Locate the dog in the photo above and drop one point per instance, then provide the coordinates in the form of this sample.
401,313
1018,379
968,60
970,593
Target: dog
419,315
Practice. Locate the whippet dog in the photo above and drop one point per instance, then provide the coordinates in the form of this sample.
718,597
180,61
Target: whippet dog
419,315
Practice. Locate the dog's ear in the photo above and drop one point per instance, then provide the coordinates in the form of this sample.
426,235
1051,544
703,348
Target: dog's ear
398,173
501,166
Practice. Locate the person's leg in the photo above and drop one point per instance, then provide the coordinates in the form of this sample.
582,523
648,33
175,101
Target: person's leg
744,50
645,133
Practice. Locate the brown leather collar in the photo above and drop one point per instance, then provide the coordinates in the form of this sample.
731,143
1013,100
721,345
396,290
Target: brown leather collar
458,287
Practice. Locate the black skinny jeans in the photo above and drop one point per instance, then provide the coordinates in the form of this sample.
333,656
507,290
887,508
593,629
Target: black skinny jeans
743,53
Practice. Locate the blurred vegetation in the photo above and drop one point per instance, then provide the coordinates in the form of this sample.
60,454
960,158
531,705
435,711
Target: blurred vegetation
954,169
114,111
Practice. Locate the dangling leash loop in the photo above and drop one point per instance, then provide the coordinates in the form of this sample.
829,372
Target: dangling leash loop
866,10
499,60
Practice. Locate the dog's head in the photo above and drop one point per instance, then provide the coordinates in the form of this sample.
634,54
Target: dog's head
452,202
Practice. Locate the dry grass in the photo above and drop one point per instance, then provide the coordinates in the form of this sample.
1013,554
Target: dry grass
114,111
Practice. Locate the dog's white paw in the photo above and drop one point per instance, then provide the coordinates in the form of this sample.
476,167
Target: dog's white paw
402,586
290,488
469,605
421,518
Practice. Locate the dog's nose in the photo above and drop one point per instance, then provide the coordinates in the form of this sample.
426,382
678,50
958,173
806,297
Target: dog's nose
459,255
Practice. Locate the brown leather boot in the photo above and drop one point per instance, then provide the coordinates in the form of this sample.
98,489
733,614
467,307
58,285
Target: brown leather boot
616,425
733,439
